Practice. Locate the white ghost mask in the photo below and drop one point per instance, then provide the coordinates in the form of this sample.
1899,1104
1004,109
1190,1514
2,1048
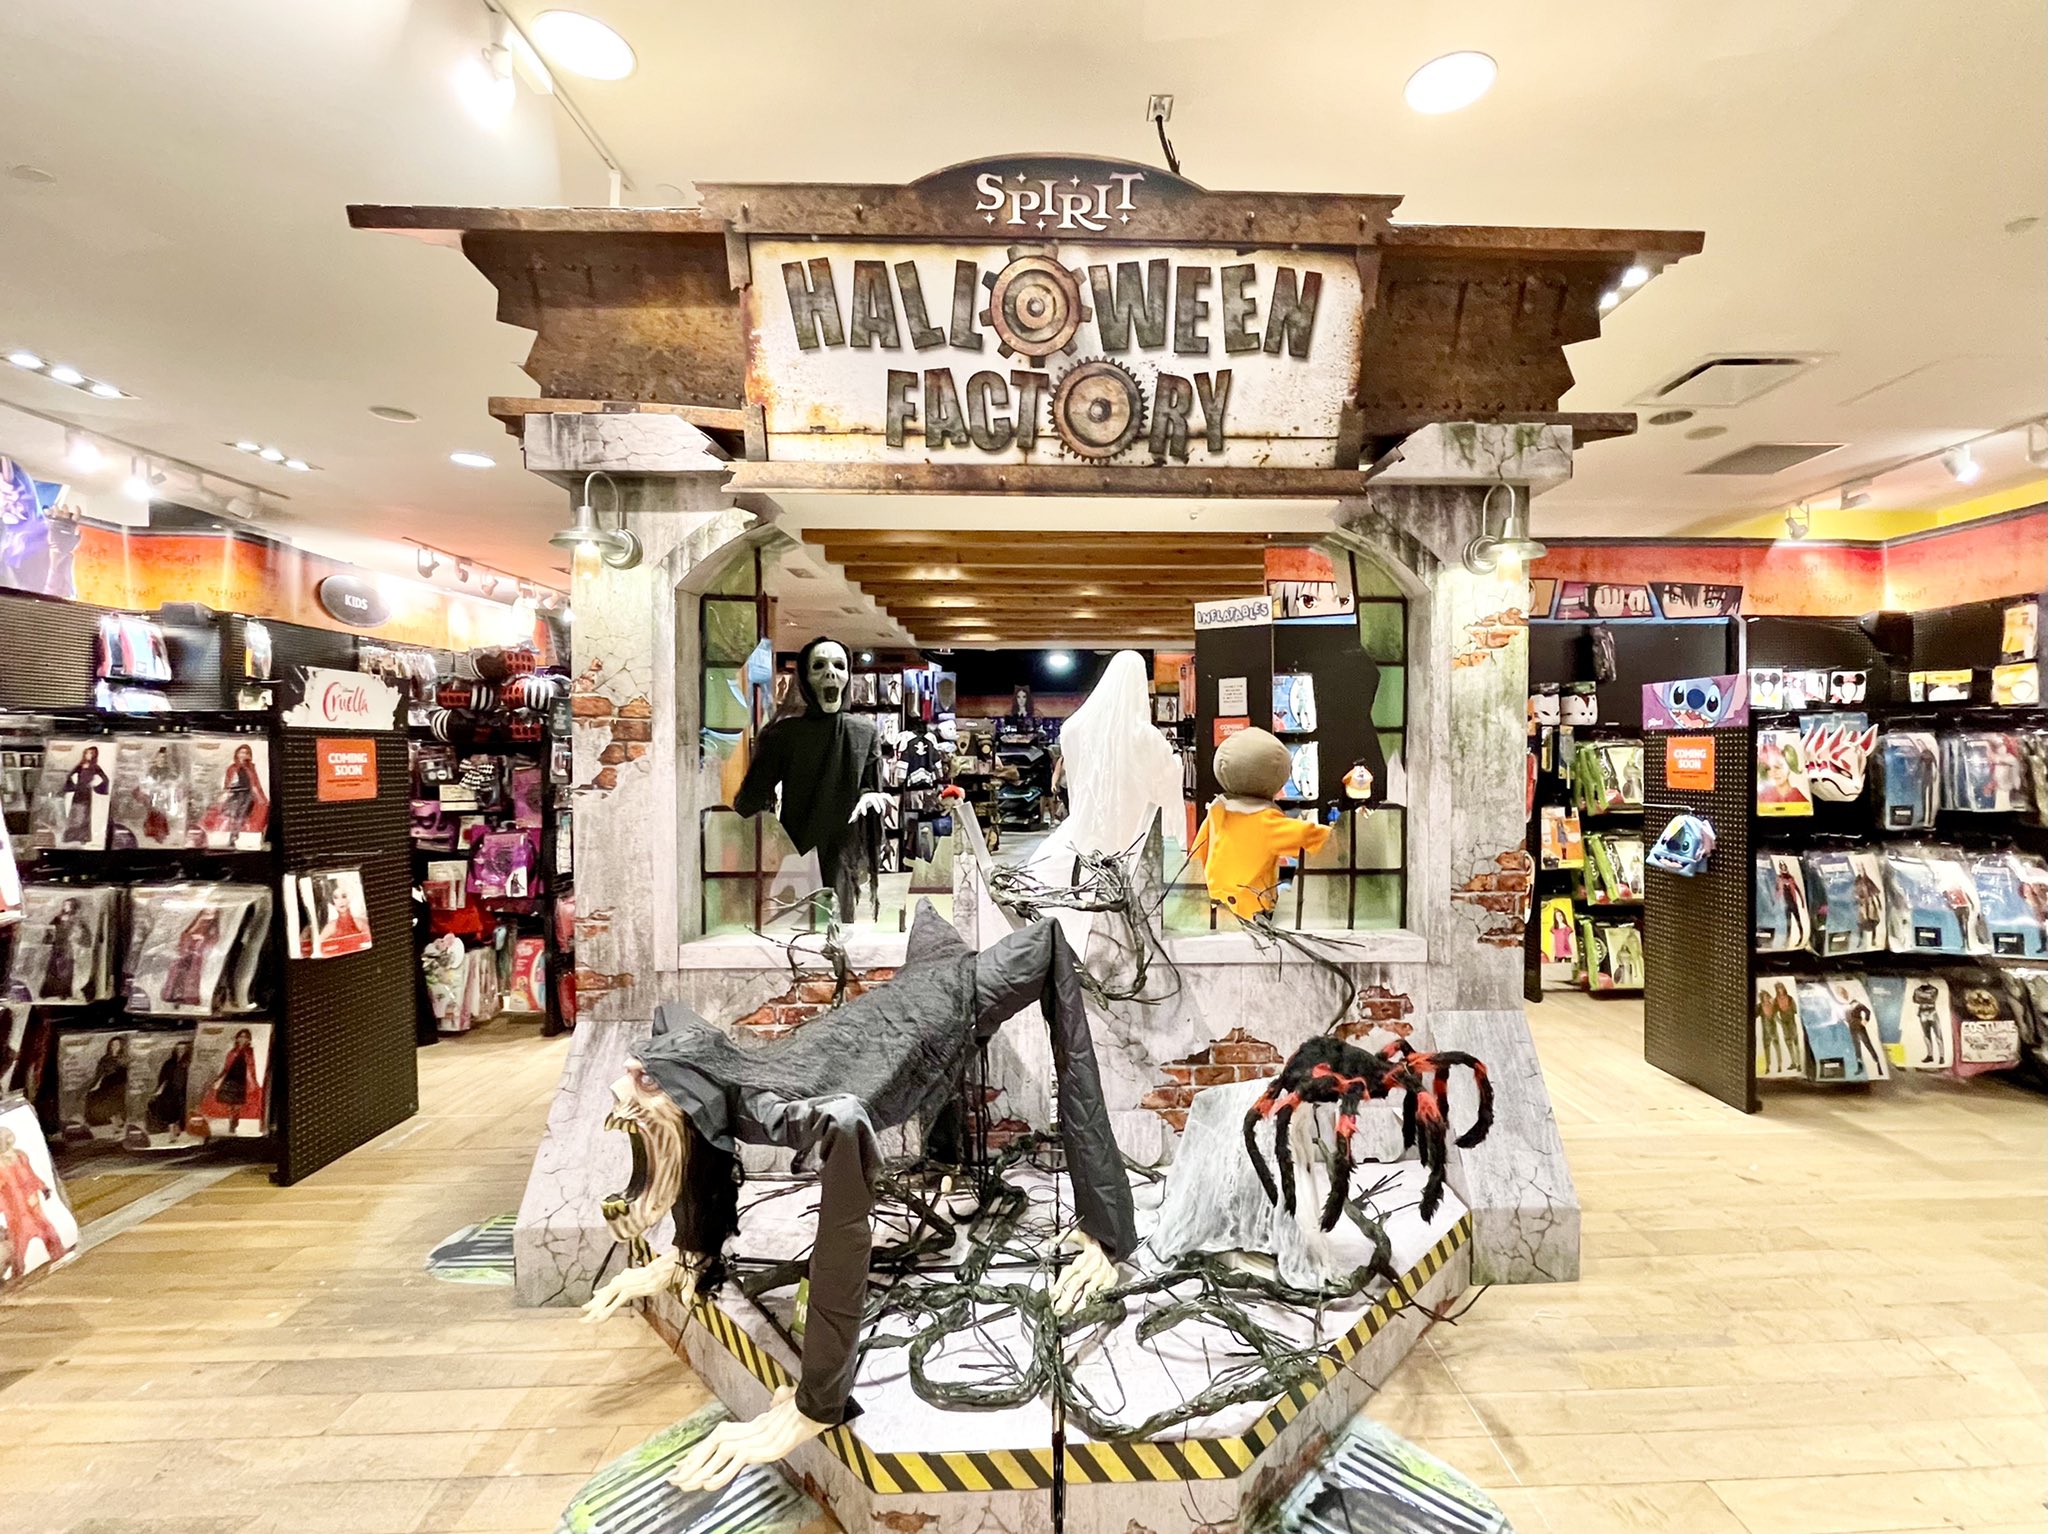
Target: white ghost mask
826,674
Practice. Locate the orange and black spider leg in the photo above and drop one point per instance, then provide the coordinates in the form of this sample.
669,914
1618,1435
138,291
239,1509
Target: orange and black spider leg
1268,1100
1429,1127
1340,1162
1484,1121
1283,1150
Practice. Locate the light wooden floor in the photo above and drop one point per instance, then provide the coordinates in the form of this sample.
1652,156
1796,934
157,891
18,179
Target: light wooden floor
1825,1320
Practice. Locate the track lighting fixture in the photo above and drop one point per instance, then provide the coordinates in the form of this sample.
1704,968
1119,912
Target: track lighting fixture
1962,465
82,453
426,564
616,546
1511,550
137,486
2037,444
1798,520
462,571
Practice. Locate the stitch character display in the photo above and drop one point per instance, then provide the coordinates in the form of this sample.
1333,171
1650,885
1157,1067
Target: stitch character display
1328,1070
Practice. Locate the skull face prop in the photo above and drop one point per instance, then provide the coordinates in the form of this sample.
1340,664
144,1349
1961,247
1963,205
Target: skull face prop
653,1124
825,671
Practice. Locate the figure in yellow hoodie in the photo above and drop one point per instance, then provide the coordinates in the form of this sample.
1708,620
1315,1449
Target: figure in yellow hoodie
1246,834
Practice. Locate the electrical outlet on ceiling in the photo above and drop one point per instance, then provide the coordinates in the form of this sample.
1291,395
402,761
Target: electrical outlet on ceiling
1159,108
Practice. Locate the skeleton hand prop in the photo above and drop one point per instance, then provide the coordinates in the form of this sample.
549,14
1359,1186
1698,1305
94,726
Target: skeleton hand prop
1089,1274
732,1446
664,1272
871,804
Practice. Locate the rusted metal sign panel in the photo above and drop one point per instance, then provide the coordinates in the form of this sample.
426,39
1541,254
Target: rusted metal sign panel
1092,354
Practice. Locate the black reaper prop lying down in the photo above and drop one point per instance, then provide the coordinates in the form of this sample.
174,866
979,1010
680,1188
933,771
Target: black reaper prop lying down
895,1054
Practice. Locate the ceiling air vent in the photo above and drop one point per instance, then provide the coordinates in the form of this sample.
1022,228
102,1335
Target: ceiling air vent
1766,457
1718,382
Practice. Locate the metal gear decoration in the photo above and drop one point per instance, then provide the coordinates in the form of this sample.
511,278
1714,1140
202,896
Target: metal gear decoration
1098,408
1034,307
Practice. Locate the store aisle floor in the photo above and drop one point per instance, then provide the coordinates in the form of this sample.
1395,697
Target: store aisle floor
277,1359
1824,1319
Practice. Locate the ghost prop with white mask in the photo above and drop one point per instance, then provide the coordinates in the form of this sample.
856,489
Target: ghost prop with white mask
826,764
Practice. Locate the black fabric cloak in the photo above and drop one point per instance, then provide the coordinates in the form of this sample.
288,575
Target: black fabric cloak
822,763
893,1054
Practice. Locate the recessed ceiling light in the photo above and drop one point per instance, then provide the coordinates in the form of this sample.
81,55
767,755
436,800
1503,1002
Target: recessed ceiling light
392,413
271,454
1450,83
247,447
26,359
105,390
473,460
582,45
1609,299
1635,277
65,373
1670,417
297,463
1702,433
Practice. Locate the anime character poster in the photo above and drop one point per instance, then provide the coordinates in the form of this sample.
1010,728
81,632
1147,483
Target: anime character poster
1583,601
36,1225
151,795
228,1080
337,918
1681,600
230,791
159,1087
93,1071
73,798
1308,583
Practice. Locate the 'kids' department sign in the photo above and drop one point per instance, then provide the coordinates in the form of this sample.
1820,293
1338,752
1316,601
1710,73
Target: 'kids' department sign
1080,353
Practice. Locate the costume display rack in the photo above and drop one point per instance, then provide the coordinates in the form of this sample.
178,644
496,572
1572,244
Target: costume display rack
342,1066
1700,959
489,731
1562,654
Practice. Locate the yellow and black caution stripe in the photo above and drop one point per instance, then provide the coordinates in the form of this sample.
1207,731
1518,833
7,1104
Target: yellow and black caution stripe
1187,1459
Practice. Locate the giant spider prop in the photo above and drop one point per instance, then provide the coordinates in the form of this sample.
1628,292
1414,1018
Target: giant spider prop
1328,1070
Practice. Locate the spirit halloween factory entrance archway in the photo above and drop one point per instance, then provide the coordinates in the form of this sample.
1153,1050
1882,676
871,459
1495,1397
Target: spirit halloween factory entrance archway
1045,376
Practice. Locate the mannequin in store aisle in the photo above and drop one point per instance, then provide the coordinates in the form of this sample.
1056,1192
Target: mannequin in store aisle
1246,834
826,763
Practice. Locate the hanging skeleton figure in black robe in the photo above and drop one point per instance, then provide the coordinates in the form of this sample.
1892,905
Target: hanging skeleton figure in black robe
827,764
895,1054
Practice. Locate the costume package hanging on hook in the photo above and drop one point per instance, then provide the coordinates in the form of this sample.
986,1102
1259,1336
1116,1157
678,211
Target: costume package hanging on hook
151,801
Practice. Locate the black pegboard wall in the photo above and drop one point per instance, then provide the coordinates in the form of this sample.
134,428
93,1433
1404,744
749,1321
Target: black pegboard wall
1698,931
350,1071
48,663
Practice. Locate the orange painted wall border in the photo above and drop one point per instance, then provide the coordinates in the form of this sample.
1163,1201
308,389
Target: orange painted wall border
1993,557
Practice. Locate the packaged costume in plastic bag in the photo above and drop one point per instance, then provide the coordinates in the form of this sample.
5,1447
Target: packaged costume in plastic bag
195,949
2012,889
2028,988
36,1225
230,791
159,1086
92,1085
504,865
1913,1019
1776,1032
1608,775
152,793
1909,777
1860,1018
1983,771
228,1086
1782,787
1987,1029
1779,894
1931,901
1845,896
1614,868
1611,955
72,799
446,965
63,947
1832,1054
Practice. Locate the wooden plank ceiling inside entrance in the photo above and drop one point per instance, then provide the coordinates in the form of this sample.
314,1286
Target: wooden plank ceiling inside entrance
1031,588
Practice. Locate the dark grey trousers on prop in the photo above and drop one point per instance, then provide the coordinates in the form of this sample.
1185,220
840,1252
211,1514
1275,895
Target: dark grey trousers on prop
895,1054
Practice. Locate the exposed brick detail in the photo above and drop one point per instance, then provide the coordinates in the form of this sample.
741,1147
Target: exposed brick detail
1237,1056
1499,895
591,984
636,708
606,780
1488,636
588,706
632,729
784,1014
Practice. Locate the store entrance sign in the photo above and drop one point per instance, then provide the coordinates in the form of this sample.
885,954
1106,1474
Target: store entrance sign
347,770
1085,353
322,699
